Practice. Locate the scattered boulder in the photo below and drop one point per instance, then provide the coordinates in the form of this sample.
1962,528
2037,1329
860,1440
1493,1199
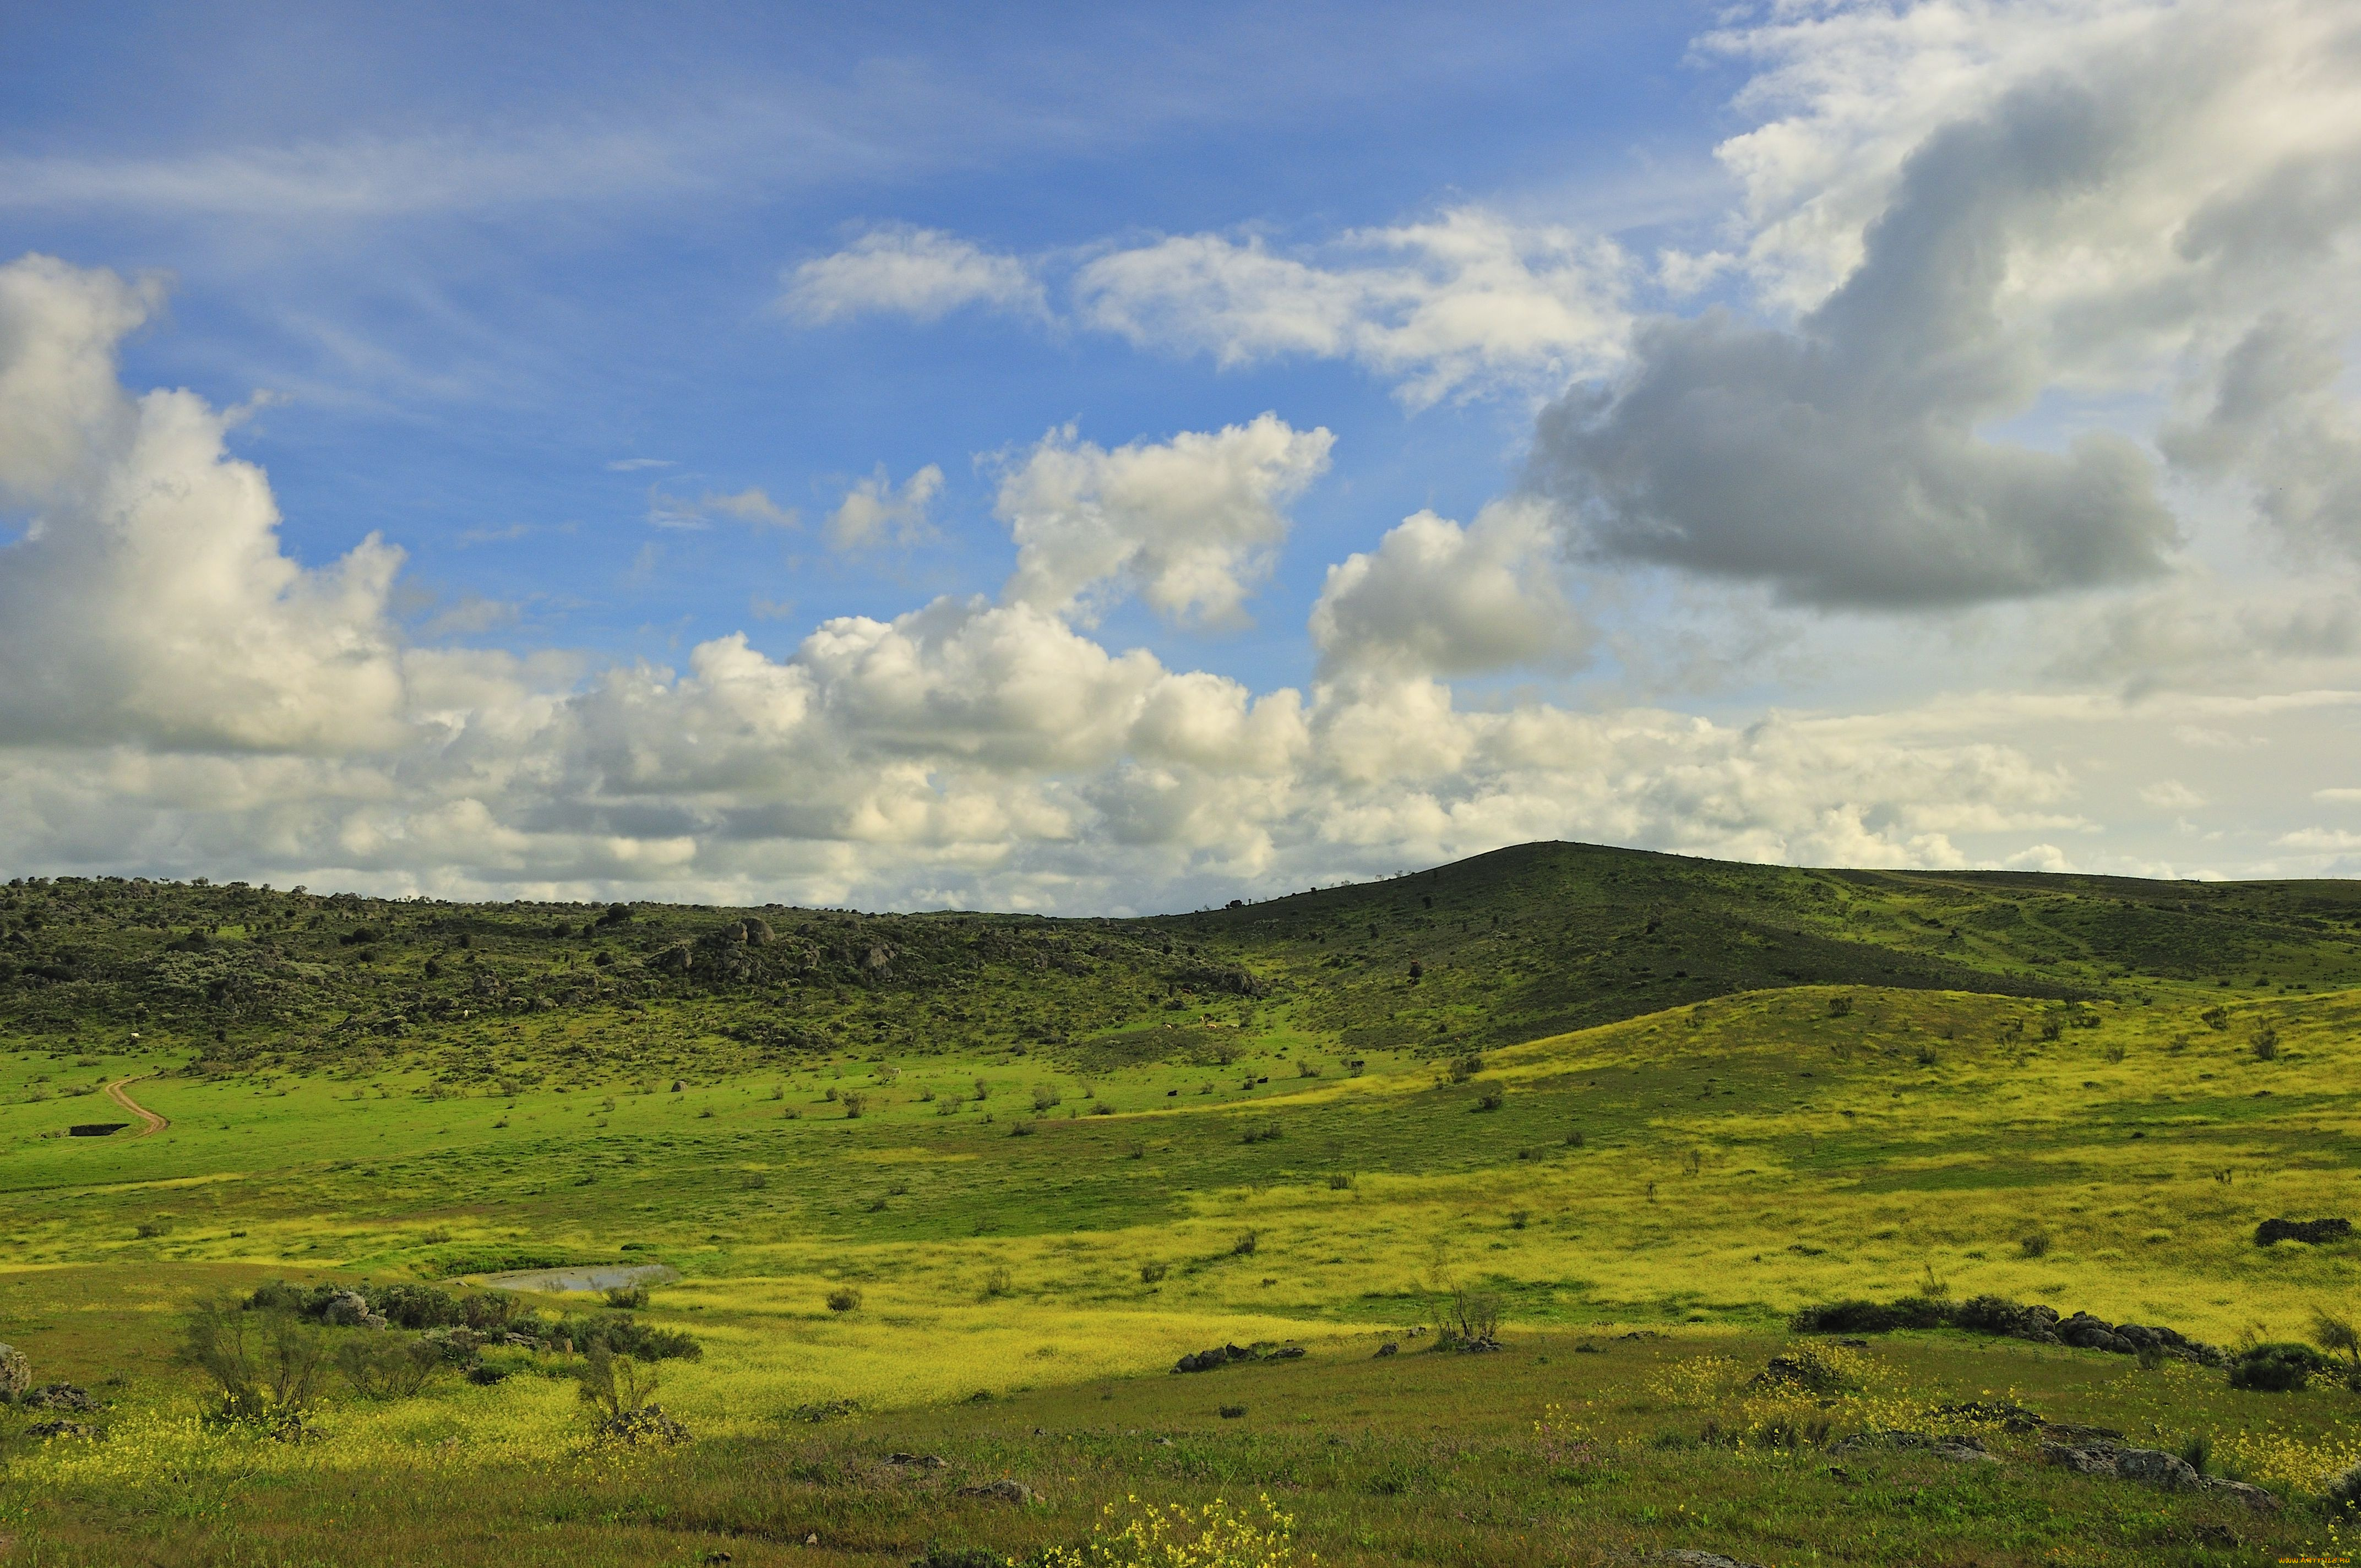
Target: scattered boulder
58,1428
1223,1355
2253,1497
59,1396
16,1373
2316,1232
346,1309
1390,1348
916,1461
2151,1467
1686,1557
1001,1491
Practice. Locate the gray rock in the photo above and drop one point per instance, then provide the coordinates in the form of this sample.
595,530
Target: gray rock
916,1461
61,1396
2094,1460
59,1429
16,1373
346,1309
2255,1497
2148,1466
2154,1467
1687,1557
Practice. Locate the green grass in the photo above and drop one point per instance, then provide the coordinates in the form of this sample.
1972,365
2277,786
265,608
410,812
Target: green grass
1707,1095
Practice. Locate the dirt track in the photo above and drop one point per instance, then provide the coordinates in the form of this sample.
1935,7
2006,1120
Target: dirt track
150,1122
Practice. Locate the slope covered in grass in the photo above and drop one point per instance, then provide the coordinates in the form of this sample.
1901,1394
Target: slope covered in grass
1035,1161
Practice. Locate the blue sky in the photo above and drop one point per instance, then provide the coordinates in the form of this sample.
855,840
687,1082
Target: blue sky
459,356
1770,521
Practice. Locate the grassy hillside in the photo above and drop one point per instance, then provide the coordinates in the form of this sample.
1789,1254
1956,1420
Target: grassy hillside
1035,1161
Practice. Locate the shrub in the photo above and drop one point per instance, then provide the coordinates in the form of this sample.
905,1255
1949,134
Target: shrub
1153,1272
855,1102
2216,1018
2338,1337
1044,1099
1840,1006
1471,1322
2033,1244
1490,1099
1519,1219
997,1283
1232,1412
623,1334
1842,1318
843,1298
2265,1043
1461,1068
267,1365
624,1394
1217,1535
1340,1181
2343,1492
385,1365
2276,1366
1245,1245
628,1297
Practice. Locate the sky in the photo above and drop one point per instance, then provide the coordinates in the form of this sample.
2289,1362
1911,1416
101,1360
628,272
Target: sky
1104,460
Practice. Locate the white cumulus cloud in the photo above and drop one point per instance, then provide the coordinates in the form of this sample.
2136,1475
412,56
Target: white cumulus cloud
1436,599
1189,524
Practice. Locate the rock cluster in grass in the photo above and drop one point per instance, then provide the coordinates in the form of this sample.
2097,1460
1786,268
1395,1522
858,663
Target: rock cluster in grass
1223,1355
2012,1319
2151,1467
59,1396
2314,1233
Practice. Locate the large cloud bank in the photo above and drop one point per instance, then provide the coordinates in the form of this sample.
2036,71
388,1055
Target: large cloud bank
2032,312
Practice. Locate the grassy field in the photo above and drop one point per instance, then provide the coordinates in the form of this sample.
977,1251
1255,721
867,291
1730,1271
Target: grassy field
1651,1107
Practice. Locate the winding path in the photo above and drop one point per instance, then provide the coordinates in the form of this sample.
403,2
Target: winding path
119,1093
